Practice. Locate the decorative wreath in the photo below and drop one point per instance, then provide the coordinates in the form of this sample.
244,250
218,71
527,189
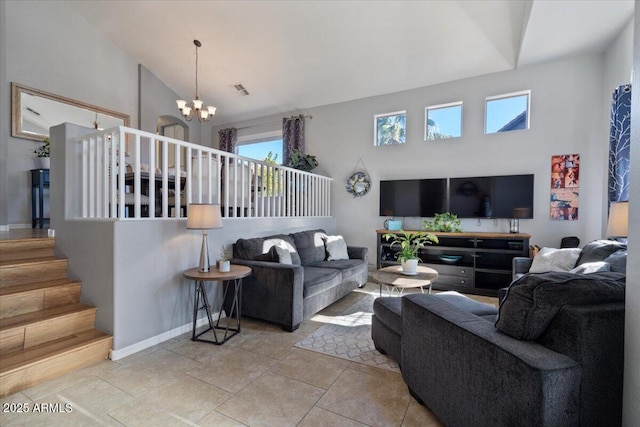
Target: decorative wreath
358,184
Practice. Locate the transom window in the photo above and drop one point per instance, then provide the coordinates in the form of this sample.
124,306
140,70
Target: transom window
261,147
443,121
504,113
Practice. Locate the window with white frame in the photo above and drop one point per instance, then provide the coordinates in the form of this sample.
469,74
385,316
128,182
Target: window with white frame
265,146
504,113
443,121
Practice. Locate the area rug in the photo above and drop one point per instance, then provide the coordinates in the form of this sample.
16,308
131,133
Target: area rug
348,336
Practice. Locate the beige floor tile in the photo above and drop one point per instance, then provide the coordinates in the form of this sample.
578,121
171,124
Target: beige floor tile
233,370
272,400
144,374
184,398
216,419
276,345
13,406
47,388
312,368
321,417
199,351
94,396
370,399
392,375
420,416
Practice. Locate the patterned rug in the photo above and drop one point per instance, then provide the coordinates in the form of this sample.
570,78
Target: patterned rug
348,336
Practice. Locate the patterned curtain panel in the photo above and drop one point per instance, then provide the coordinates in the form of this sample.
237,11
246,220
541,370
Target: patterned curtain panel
228,139
619,144
292,136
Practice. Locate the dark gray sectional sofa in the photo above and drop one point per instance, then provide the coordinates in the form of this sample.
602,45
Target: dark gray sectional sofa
552,355
287,294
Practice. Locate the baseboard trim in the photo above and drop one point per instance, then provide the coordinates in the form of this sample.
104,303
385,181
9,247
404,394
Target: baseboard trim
17,227
150,342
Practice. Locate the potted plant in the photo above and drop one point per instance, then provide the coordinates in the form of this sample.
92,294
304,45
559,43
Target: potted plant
301,161
446,222
409,244
42,153
224,263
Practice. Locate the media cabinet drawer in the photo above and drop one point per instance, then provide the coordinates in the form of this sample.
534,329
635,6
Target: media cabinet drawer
452,270
447,280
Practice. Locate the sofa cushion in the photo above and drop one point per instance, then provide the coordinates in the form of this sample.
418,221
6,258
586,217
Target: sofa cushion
533,300
467,304
599,250
284,256
351,268
388,310
618,261
310,245
335,248
317,280
249,249
591,267
550,259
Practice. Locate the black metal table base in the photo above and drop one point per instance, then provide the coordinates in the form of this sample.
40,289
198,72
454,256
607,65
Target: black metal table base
202,302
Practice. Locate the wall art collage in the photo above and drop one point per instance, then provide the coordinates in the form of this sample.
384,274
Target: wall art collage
565,187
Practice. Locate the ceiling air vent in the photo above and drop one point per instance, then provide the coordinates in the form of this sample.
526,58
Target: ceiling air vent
242,91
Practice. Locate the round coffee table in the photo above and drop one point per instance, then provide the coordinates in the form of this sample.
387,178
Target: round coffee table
395,281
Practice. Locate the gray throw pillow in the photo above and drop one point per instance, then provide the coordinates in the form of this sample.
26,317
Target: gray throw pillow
618,261
591,267
533,300
599,250
550,259
284,255
336,248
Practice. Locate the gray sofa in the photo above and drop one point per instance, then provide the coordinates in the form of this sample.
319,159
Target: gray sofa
288,291
552,355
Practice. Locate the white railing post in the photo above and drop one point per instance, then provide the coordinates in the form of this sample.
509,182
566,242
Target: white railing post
152,178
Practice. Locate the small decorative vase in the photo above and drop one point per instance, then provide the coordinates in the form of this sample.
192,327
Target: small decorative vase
43,162
224,266
409,266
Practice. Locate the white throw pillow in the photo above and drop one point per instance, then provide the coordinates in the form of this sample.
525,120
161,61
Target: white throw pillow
284,256
591,267
336,248
550,259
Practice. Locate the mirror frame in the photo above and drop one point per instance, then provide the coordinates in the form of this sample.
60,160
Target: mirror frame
16,119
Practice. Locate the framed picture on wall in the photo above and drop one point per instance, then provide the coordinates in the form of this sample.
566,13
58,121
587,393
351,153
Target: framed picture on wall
390,128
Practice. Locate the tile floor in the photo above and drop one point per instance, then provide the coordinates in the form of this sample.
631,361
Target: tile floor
258,378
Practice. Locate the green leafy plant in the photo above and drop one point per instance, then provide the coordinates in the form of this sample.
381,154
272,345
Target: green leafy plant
44,149
409,243
225,254
303,162
446,222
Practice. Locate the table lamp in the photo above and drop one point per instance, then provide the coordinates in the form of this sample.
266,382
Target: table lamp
618,225
203,217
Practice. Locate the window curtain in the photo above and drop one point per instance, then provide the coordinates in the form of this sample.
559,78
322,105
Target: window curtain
619,144
292,136
228,139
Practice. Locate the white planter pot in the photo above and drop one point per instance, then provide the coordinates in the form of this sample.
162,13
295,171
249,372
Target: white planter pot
43,162
409,266
224,266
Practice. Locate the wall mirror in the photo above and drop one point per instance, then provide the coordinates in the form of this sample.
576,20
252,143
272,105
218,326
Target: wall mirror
34,111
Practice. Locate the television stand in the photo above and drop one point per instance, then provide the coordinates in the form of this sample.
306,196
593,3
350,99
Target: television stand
477,263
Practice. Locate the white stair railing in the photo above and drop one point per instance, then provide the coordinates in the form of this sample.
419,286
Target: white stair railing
126,173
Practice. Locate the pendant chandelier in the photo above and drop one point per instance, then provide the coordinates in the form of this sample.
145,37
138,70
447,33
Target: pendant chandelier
194,108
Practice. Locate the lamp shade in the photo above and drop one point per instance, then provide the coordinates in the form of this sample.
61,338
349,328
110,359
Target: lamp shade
618,225
203,216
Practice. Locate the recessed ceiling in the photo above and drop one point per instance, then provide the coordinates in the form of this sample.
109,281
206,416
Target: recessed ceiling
294,55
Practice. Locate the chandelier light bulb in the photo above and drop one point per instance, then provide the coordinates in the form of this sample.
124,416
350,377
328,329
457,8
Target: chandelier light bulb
181,103
197,104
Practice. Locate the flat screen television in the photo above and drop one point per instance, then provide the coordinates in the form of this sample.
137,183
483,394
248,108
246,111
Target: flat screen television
413,197
508,196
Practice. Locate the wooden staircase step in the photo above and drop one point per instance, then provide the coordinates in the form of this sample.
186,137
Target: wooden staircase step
21,299
25,368
22,271
31,329
26,248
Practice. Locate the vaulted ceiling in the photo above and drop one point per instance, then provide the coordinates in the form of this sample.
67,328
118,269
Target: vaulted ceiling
294,55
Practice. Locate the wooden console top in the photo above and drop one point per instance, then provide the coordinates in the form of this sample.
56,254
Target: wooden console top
478,234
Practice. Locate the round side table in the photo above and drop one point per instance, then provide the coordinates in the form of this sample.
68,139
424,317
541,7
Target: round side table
394,280
200,301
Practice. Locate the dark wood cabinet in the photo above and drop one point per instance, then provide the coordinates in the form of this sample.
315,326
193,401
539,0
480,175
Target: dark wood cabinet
478,263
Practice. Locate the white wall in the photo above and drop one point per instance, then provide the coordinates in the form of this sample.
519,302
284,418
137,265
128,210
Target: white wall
566,117
5,118
50,47
631,409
